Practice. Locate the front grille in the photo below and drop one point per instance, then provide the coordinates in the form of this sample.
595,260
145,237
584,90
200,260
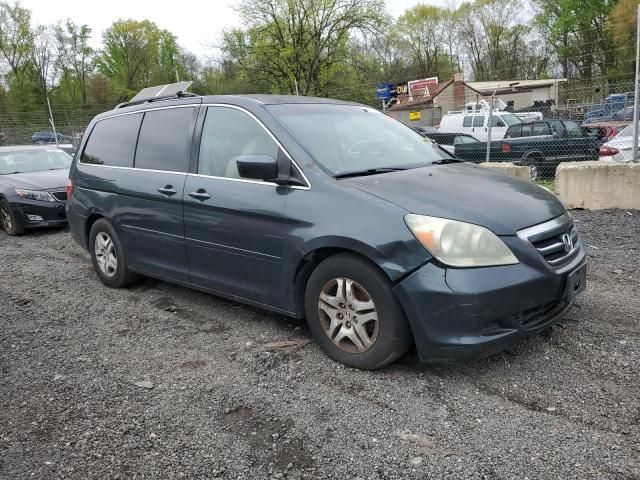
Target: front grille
554,249
556,240
60,196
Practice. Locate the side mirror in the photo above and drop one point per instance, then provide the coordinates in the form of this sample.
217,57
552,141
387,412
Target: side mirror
257,167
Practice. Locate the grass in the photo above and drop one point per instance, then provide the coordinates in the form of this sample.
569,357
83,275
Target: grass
547,183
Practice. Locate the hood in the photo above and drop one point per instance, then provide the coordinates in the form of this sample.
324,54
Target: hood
42,180
465,192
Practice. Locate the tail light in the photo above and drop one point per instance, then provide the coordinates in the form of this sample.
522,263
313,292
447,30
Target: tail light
607,151
69,188
506,148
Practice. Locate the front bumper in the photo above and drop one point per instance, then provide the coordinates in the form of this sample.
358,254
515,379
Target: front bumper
52,213
463,314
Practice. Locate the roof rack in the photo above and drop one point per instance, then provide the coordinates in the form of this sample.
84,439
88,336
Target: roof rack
159,92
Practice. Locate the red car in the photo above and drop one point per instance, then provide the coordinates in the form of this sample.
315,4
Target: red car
605,130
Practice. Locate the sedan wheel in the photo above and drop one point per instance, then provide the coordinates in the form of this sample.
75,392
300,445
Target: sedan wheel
5,216
106,255
348,315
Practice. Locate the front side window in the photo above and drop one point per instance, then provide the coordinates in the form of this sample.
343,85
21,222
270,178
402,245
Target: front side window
227,134
23,161
497,122
510,119
113,141
165,138
347,139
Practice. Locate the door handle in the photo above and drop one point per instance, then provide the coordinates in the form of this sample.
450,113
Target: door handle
200,194
167,190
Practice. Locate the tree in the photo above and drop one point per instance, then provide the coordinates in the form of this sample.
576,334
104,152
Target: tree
75,59
303,42
16,36
129,57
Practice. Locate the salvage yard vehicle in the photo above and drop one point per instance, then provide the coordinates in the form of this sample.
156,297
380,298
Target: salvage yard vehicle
32,187
325,210
620,148
476,124
448,141
540,145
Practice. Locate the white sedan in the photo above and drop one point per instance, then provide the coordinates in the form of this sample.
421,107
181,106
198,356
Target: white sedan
620,148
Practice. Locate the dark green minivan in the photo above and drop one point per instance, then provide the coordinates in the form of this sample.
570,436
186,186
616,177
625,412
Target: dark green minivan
326,210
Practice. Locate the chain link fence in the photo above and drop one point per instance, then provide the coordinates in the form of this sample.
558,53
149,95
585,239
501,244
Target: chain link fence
539,124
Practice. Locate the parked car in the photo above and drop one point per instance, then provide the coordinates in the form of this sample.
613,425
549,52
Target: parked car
609,107
32,187
620,149
43,138
624,115
540,145
448,141
604,130
477,124
425,130
326,210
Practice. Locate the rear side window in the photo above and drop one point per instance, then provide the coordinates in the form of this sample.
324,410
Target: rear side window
527,130
513,132
165,138
478,121
467,121
113,141
541,128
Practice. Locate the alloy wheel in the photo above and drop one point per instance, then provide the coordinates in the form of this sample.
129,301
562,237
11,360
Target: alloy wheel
106,256
348,315
5,215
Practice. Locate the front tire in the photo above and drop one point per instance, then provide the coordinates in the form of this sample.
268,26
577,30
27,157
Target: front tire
9,221
353,314
108,256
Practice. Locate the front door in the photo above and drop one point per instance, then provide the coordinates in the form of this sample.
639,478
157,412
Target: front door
233,226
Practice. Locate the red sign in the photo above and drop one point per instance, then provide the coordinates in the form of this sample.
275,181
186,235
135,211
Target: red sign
423,87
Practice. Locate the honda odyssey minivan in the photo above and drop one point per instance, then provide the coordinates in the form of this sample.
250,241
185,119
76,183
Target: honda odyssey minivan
329,211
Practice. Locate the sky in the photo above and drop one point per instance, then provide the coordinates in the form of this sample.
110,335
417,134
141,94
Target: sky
197,24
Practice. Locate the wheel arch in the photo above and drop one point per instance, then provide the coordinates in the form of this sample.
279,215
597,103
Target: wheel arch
316,253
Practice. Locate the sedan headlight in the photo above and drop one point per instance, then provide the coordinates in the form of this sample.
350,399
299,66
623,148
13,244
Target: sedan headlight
459,244
35,195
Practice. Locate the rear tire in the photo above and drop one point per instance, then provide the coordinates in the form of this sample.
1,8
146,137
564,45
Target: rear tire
536,167
354,315
108,256
9,221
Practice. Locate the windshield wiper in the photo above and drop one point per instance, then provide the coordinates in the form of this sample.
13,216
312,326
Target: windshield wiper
370,171
444,161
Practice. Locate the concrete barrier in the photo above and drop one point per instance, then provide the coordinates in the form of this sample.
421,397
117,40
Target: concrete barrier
599,185
509,169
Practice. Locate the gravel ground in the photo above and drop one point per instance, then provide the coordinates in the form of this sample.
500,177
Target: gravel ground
159,381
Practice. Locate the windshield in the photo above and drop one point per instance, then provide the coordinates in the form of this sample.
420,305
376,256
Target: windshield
350,138
24,161
510,119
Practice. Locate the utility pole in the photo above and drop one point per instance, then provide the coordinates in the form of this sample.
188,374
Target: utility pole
53,125
489,119
636,100
296,81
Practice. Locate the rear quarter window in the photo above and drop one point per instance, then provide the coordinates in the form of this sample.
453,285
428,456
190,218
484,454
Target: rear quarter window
112,141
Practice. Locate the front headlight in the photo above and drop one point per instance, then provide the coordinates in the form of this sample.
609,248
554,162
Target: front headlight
459,244
35,195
